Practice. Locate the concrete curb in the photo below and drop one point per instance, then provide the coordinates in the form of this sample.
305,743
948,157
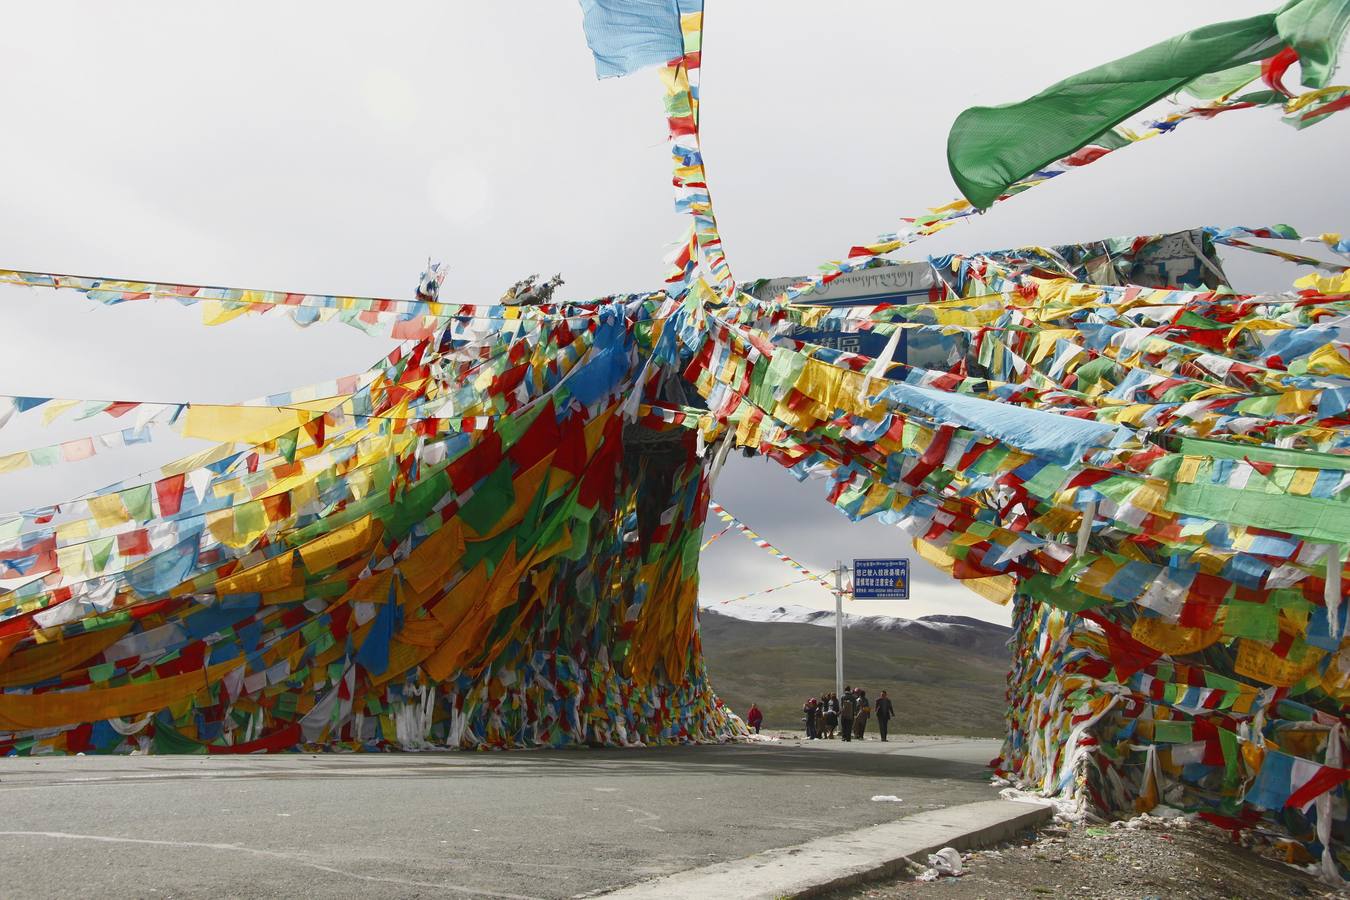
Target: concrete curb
828,863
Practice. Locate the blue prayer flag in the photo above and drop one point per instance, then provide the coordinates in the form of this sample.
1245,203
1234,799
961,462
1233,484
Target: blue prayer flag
627,35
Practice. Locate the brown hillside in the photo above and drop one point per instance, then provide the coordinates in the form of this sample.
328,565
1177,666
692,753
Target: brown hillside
936,688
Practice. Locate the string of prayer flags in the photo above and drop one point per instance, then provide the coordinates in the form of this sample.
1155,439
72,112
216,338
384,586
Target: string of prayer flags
760,542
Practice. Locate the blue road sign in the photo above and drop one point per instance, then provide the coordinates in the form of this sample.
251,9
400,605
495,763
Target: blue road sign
881,579
867,343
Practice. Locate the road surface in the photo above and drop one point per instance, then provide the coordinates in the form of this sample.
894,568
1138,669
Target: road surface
522,824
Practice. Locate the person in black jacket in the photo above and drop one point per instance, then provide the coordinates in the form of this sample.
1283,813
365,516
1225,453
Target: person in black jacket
885,711
846,708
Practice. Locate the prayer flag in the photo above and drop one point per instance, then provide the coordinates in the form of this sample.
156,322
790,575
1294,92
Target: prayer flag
991,148
627,35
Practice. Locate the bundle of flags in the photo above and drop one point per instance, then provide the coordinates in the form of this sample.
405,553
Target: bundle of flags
467,545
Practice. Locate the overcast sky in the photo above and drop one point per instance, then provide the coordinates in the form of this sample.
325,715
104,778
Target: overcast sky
333,147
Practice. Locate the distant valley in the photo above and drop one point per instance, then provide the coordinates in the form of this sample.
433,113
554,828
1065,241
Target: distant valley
945,674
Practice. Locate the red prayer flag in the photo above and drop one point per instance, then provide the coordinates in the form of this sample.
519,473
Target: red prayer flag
169,492
134,543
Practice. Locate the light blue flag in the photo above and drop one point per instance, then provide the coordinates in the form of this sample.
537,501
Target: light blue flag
1060,439
627,35
165,570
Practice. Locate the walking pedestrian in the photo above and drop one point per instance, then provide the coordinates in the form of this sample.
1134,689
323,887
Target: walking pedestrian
864,709
846,708
885,712
754,718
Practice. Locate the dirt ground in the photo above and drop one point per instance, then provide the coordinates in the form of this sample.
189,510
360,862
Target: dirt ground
1133,861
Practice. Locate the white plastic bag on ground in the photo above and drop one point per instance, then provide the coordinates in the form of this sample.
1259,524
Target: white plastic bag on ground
946,861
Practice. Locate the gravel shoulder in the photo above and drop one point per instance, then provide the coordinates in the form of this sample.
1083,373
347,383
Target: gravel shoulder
1135,860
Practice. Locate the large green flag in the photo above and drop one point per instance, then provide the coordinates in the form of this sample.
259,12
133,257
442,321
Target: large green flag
1315,29
991,148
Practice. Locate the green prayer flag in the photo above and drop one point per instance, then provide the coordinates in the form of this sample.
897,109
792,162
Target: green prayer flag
1213,85
490,500
137,502
414,505
286,445
1092,371
1280,457
249,518
1228,742
168,740
536,521
1172,732
99,552
1257,621
1048,480
1325,521
45,456
1315,29
991,148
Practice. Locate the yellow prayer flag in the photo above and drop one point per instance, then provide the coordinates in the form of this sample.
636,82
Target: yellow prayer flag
51,709
108,510
332,548
1303,482
1296,401
53,408
13,462
1325,284
253,424
274,574
1326,360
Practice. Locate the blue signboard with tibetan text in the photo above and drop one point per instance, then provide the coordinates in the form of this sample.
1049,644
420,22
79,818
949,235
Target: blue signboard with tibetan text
881,579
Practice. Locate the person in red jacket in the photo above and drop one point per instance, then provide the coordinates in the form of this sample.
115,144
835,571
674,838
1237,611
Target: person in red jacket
754,718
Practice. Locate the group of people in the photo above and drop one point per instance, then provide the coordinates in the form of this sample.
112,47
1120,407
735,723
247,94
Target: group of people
828,713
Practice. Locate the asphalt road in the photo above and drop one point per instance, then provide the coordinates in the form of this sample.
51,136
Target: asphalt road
521,824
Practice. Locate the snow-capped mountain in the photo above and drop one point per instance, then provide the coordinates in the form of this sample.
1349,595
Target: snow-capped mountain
957,631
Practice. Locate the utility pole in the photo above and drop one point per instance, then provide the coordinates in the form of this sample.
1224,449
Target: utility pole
839,629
